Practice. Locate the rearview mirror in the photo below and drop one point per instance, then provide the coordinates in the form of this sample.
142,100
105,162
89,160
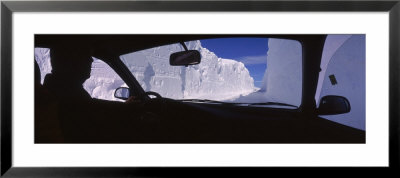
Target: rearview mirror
122,93
331,105
185,58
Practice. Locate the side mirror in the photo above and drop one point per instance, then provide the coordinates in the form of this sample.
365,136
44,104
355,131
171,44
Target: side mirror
185,58
331,105
122,93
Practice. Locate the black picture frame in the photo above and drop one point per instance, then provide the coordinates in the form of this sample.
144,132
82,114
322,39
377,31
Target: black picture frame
8,7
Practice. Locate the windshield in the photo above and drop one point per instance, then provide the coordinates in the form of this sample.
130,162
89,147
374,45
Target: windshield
232,70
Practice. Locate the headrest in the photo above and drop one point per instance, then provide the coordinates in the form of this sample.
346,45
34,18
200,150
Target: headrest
66,59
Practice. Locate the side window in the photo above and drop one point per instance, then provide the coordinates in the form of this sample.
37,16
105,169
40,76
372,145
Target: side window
42,57
343,74
103,81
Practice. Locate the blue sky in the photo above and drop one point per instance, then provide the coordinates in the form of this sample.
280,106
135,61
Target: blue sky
251,51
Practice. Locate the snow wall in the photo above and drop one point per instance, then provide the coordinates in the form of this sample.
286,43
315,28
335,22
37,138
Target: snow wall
344,57
103,81
42,57
282,81
214,78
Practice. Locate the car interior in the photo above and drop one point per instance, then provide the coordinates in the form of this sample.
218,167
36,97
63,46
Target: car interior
151,118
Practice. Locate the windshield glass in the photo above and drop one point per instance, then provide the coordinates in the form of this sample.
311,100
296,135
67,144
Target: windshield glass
232,70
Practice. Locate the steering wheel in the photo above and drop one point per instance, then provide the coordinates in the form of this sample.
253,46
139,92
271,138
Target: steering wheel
152,93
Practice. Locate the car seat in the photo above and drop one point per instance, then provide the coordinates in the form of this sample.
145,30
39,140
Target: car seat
47,125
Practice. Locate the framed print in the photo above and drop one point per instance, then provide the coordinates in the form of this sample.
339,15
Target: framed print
131,88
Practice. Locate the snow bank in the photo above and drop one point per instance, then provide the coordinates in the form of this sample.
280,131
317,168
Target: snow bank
214,78
282,81
332,44
42,57
103,81
283,78
347,64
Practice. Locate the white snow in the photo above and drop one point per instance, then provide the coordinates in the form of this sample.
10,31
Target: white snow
347,64
332,43
42,57
282,81
103,81
214,78
229,80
